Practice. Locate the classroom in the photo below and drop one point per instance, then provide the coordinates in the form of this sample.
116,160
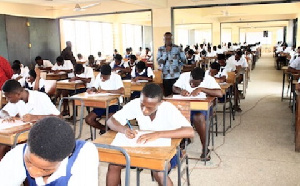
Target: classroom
149,92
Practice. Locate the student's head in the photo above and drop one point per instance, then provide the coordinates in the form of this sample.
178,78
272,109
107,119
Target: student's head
132,59
118,59
214,69
43,156
127,50
17,62
140,66
16,68
190,53
147,49
219,47
203,52
115,51
99,54
69,44
197,76
39,60
222,60
168,37
209,49
105,72
151,98
215,48
32,76
79,56
60,61
78,69
12,90
238,55
91,59
141,48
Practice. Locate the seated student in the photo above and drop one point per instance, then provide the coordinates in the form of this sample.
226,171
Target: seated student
80,58
153,114
105,82
17,75
132,61
24,69
127,53
120,67
218,72
43,64
91,61
35,82
192,84
51,156
147,55
220,50
294,67
25,104
100,60
191,61
62,65
84,74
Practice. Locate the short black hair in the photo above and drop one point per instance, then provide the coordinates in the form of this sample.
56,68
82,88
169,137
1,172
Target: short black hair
118,57
133,57
239,53
17,62
16,66
91,57
60,59
38,58
168,33
105,70
215,66
197,73
51,139
79,55
221,57
153,90
78,68
191,52
11,86
141,65
32,73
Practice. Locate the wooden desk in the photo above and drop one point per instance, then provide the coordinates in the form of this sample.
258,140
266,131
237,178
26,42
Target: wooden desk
196,104
14,135
96,101
52,76
136,86
154,158
74,85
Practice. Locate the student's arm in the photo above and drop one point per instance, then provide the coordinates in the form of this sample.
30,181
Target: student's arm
293,70
91,90
221,79
183,132
210,92
37,79
142,78
118,91
84,80
180,91
114,125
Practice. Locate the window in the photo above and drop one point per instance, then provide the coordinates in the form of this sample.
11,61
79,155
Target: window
132,36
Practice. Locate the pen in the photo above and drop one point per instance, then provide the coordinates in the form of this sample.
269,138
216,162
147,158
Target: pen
128,123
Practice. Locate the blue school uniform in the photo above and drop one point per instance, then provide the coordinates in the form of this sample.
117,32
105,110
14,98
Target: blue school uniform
127,75
31,88
137,94
62,180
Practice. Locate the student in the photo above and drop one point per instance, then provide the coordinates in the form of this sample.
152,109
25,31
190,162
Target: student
153,114
147,55
191,61
51,156
35,82
106,82
62,65
24,69
120,67
294,67
139,52
43,64
218,72
127,53
91,61
132,61
100,60
17,75
220,50
193,84
80,58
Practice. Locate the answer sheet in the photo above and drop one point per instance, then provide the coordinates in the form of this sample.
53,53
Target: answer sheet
6,125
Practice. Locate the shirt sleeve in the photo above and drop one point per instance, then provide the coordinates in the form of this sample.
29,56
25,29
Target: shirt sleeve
48,63
49,107
118,82
180,81
12,170
85,168
178,120
11,109
128,112
55,67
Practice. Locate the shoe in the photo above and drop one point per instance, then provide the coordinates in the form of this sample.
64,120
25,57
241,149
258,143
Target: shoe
182,143
205,158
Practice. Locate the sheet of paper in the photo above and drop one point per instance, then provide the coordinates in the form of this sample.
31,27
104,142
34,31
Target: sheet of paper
57,73
86,95
67,81
122,141
200,96
6,125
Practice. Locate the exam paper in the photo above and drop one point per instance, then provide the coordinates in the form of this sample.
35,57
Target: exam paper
6,125
122,141
86,95
67,81
200,96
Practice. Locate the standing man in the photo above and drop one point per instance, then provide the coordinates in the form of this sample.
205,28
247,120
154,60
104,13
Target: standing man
170,58
6,71
67,53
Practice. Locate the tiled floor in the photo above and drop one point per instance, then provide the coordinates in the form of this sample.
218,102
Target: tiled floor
257,150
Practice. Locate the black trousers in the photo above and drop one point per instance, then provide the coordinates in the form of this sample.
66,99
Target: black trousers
168,84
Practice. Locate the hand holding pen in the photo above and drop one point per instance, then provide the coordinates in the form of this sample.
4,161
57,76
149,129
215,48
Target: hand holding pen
129,132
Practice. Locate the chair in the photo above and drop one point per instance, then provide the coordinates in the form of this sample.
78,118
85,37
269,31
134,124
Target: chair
127,157
127,91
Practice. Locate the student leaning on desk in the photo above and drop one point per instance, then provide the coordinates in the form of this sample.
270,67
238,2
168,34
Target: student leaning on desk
51,156
151,113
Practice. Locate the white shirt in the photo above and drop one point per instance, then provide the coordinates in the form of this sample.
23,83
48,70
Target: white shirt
66,66
113,83
149,72
168,117
41,84
242,62
222,72
84,170
230,65
183,82
211,54
220,51
88,73
295,63
38,104
46,63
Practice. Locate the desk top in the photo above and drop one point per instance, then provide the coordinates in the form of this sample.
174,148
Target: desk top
144,157
7,135
207,100
96,98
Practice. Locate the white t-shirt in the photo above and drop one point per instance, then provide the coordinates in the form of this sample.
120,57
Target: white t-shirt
113,83
211,54
242,62
230,66
183,82
66,66
41,84
222,72
295,63
149,72
168,117
84,170
220,51
46,63
88,73
38,104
